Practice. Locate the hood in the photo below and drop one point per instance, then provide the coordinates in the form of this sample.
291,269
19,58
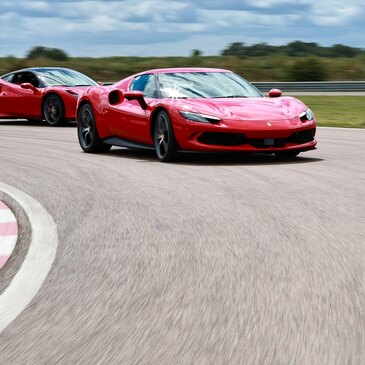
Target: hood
248,109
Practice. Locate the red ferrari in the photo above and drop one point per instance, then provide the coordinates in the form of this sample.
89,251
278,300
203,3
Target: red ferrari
193,109
42,93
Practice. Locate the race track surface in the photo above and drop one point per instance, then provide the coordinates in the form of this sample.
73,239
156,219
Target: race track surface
210,260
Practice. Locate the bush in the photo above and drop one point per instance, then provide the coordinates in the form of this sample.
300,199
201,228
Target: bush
307,69
50,53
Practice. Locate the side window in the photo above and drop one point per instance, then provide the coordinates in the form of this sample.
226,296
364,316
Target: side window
146,84
23,77
8,78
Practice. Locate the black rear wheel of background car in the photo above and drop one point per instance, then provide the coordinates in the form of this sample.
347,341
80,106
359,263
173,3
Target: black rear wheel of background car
287,154
164,138
54,110
87,132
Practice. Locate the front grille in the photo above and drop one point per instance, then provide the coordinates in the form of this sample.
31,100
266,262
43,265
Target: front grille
266,142
222,139
234,139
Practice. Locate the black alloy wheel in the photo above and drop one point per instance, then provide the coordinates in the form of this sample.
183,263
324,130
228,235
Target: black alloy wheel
164,138
87,131
54,110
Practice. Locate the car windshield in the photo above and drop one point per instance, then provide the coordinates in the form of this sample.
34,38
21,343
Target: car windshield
64,77
205,85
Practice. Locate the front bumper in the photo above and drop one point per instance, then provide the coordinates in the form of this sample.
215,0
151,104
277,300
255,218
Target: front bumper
254,136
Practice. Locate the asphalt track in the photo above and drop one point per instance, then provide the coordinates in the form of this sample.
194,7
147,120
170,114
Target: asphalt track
210,260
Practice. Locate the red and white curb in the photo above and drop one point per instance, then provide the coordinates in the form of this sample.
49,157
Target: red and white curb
38,260
8,233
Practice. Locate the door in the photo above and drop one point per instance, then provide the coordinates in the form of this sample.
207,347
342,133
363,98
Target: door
128,120
18,102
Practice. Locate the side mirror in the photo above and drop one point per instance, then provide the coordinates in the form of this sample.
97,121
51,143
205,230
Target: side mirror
275,93
100,83
115,97
136,95
29,86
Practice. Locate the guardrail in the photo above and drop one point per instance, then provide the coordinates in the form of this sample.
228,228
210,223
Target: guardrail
313,86
307,86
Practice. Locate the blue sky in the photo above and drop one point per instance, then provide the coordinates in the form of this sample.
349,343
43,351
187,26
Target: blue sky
168,27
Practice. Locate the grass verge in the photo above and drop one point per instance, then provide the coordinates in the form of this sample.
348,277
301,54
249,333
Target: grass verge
337,111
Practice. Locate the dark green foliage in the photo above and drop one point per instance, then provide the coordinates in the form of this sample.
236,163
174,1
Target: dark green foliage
339,50
276,66
293,49
196,53
50,53
307,69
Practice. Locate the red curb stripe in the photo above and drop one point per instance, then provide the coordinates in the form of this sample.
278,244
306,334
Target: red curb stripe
3,206
8,229
3,260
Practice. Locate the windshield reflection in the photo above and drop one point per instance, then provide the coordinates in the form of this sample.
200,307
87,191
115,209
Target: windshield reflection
205,85
64,77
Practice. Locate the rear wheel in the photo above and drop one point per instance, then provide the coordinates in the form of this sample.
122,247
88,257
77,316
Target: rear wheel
287,154
54,110
165,143
87,132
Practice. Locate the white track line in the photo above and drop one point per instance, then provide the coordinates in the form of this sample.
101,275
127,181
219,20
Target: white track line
38,261
342,128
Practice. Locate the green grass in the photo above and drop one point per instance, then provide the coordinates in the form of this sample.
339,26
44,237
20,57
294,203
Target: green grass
337,111
272,68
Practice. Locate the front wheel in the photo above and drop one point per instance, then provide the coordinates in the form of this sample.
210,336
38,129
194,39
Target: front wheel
287,154
164,138
54,110
87,132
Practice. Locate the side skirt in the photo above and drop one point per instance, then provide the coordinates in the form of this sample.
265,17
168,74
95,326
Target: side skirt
116,141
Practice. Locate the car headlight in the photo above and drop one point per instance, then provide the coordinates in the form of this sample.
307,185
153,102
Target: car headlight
306,116
201,118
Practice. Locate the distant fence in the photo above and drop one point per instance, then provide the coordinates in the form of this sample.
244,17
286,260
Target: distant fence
313,86
308,86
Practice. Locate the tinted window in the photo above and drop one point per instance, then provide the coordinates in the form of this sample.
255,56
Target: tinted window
26,77
146,84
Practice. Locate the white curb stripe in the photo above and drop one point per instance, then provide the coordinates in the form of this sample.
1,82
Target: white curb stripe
38,261
6,215
7,245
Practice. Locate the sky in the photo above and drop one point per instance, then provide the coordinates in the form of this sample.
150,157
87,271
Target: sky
174,28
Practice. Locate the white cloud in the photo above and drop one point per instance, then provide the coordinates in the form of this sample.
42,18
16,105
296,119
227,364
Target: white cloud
174,27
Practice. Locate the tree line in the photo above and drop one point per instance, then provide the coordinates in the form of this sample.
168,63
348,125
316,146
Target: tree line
293,49
239,49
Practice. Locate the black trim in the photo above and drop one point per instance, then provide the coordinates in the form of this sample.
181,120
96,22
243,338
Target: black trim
121,142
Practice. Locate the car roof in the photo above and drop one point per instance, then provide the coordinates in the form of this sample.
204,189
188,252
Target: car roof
185,69
37,69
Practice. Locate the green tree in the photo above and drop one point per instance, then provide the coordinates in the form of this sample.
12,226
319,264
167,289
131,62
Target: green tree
196,53
235,49
340,50
50,53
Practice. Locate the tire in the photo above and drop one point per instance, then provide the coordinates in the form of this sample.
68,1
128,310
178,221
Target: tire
54,110
87,131
287,154
164,138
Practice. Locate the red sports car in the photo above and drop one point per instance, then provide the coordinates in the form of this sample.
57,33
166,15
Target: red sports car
48,93
193,109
